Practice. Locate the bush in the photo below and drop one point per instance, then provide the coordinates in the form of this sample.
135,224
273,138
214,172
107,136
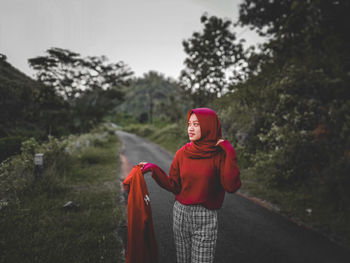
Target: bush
34,215
143,130
92,155
9,146
19,174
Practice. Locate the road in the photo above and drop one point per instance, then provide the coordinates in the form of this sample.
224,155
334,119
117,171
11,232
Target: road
248,232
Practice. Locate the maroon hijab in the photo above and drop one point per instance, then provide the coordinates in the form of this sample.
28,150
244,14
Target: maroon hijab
210,134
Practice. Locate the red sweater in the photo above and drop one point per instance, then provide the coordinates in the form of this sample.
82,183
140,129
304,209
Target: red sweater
141,242
200,181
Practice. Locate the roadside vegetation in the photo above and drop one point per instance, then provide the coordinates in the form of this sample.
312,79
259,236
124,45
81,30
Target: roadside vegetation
170,136
284,105
68,212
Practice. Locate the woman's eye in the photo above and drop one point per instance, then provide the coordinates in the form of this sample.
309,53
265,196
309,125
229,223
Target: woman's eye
193,124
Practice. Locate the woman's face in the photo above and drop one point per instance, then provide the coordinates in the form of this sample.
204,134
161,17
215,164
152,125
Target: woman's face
193,128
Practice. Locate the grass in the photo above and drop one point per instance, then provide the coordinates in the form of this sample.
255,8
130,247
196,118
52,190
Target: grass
170,136
304,206
38,229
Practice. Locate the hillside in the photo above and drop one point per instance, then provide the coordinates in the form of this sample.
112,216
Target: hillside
26,108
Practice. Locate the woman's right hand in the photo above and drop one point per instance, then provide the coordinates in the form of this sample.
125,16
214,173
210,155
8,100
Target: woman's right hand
142,164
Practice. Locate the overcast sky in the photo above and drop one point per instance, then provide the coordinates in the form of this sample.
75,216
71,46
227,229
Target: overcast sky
145,34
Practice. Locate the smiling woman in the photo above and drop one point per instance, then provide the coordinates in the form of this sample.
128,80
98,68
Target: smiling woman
200,173
193,128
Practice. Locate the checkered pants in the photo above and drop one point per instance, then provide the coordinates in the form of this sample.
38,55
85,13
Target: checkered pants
195,233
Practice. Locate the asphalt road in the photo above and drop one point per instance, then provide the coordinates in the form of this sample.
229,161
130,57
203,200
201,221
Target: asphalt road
247,232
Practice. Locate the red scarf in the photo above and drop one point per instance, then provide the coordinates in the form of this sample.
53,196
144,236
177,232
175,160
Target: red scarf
210,126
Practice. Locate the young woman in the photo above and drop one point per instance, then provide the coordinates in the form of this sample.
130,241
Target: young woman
199,175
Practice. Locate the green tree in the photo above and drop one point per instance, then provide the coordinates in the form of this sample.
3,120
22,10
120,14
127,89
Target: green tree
298,99
153,96
91,85
293,108
301,92
28,108
213,56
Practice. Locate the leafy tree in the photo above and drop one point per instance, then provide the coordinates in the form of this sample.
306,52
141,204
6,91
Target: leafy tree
91,85
298,99
302,84
60,69
153,96
71,75
293,106
27,107
212,57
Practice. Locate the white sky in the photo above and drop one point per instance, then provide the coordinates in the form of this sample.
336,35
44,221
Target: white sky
145,34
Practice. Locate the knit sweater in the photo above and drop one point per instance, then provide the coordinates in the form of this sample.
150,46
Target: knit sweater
200,181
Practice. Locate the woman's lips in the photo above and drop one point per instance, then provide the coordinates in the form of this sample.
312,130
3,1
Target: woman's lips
191,134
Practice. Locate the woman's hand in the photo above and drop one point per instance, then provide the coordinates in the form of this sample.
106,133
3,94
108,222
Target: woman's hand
219,141
142,164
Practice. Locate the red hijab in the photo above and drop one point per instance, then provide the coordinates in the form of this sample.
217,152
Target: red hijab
210,134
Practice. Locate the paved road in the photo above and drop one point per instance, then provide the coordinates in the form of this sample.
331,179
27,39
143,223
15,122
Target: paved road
247,231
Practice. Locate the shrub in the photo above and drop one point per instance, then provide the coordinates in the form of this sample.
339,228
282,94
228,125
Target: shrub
92,155
9,146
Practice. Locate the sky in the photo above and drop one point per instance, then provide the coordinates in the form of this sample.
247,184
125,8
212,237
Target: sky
145,34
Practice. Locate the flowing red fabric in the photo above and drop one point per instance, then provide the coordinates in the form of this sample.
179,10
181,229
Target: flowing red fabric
210,126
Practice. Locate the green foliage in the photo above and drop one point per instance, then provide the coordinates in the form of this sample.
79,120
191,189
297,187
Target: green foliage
9,146
143,130
81,90
211,54
90,85
72,75
169,136
35,220
92,156
293,108
151,98
19,174
172,136
123,119
27,108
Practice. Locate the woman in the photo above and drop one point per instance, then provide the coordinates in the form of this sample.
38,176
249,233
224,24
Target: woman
199,175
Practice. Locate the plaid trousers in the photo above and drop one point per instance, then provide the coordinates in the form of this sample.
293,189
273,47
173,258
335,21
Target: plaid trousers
195,232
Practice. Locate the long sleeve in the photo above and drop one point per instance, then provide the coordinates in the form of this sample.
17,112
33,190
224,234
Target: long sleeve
141,241
229,170
172,182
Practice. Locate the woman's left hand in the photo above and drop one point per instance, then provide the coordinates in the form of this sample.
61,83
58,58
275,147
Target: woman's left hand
219,141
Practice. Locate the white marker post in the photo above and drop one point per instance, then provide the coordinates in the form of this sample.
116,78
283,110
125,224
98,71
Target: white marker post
39,164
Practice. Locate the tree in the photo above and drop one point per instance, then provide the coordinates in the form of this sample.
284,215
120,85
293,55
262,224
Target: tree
71,75
153,95
298,97
211,57
28,108
301,92
91,85
293,109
